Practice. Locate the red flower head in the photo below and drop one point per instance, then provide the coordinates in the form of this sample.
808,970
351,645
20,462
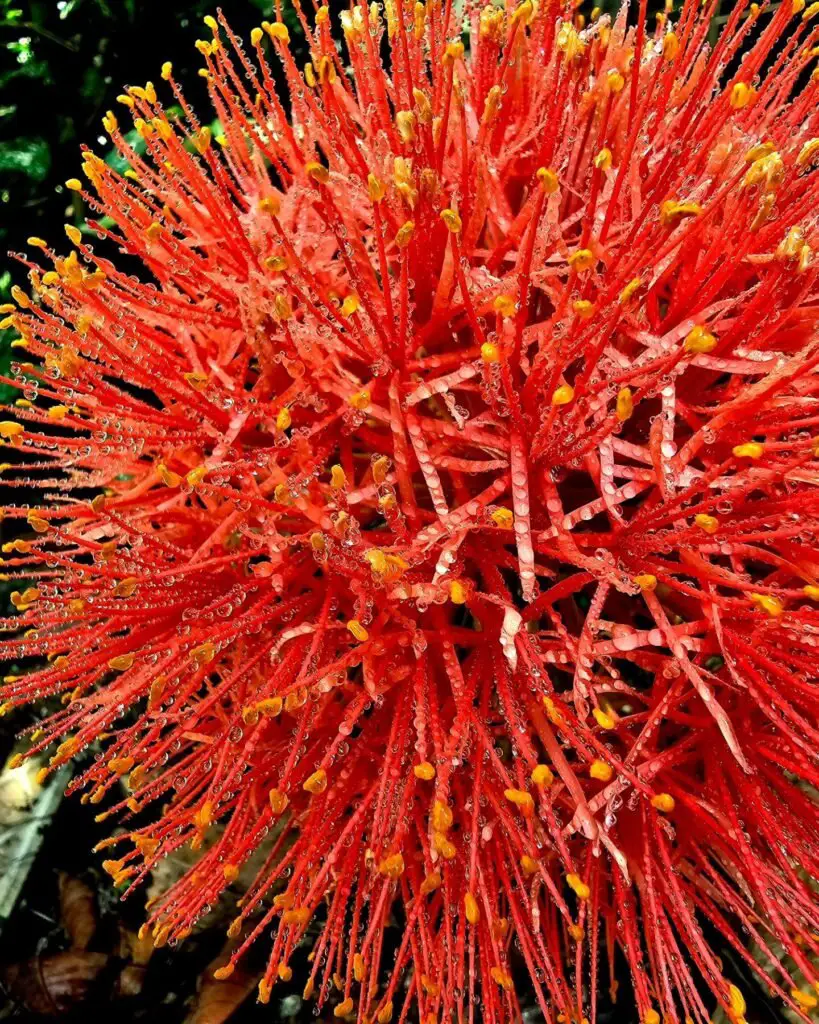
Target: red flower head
440,498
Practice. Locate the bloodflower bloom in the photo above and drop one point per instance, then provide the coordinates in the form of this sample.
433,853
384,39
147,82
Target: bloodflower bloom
439,501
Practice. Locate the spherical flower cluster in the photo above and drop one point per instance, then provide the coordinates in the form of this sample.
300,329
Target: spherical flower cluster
429,498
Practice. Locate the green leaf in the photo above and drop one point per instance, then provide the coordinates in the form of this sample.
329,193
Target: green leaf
28,156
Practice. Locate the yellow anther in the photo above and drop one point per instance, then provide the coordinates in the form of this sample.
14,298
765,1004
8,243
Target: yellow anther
542,775
583,308
471,909
278,801
283,307
231,872
338,478
405,124
569,42
74,185
392,866
767,172
443,846
581,259
625,404
378,561
375,189
20,297
278,264
256,36
524,12
663,802
344,1008
749,450
204,653
528,864
806,1000
350,305
453,52
603,160
548,180
737,1001
317,782
651,1017
423,106
797,6
710,524
384,1015
223,972
772,605
630,289
167,70
197,381
791,245
671,212
452,220
552,710
505,305
167,476
759,152
277,30
404,234
699,340
501,977
646,581
121,662
811,592
563,395
458,593
357,630
742,95
432,882
671,46
360,400
502,517
298,916
202,139
195,476
284,419
419,20
126,587
441,817
492,103
36,522
615,80
601,771
358,960
424,771
578,886
807,153
490,353
317,172
604,719
521,799
270,204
